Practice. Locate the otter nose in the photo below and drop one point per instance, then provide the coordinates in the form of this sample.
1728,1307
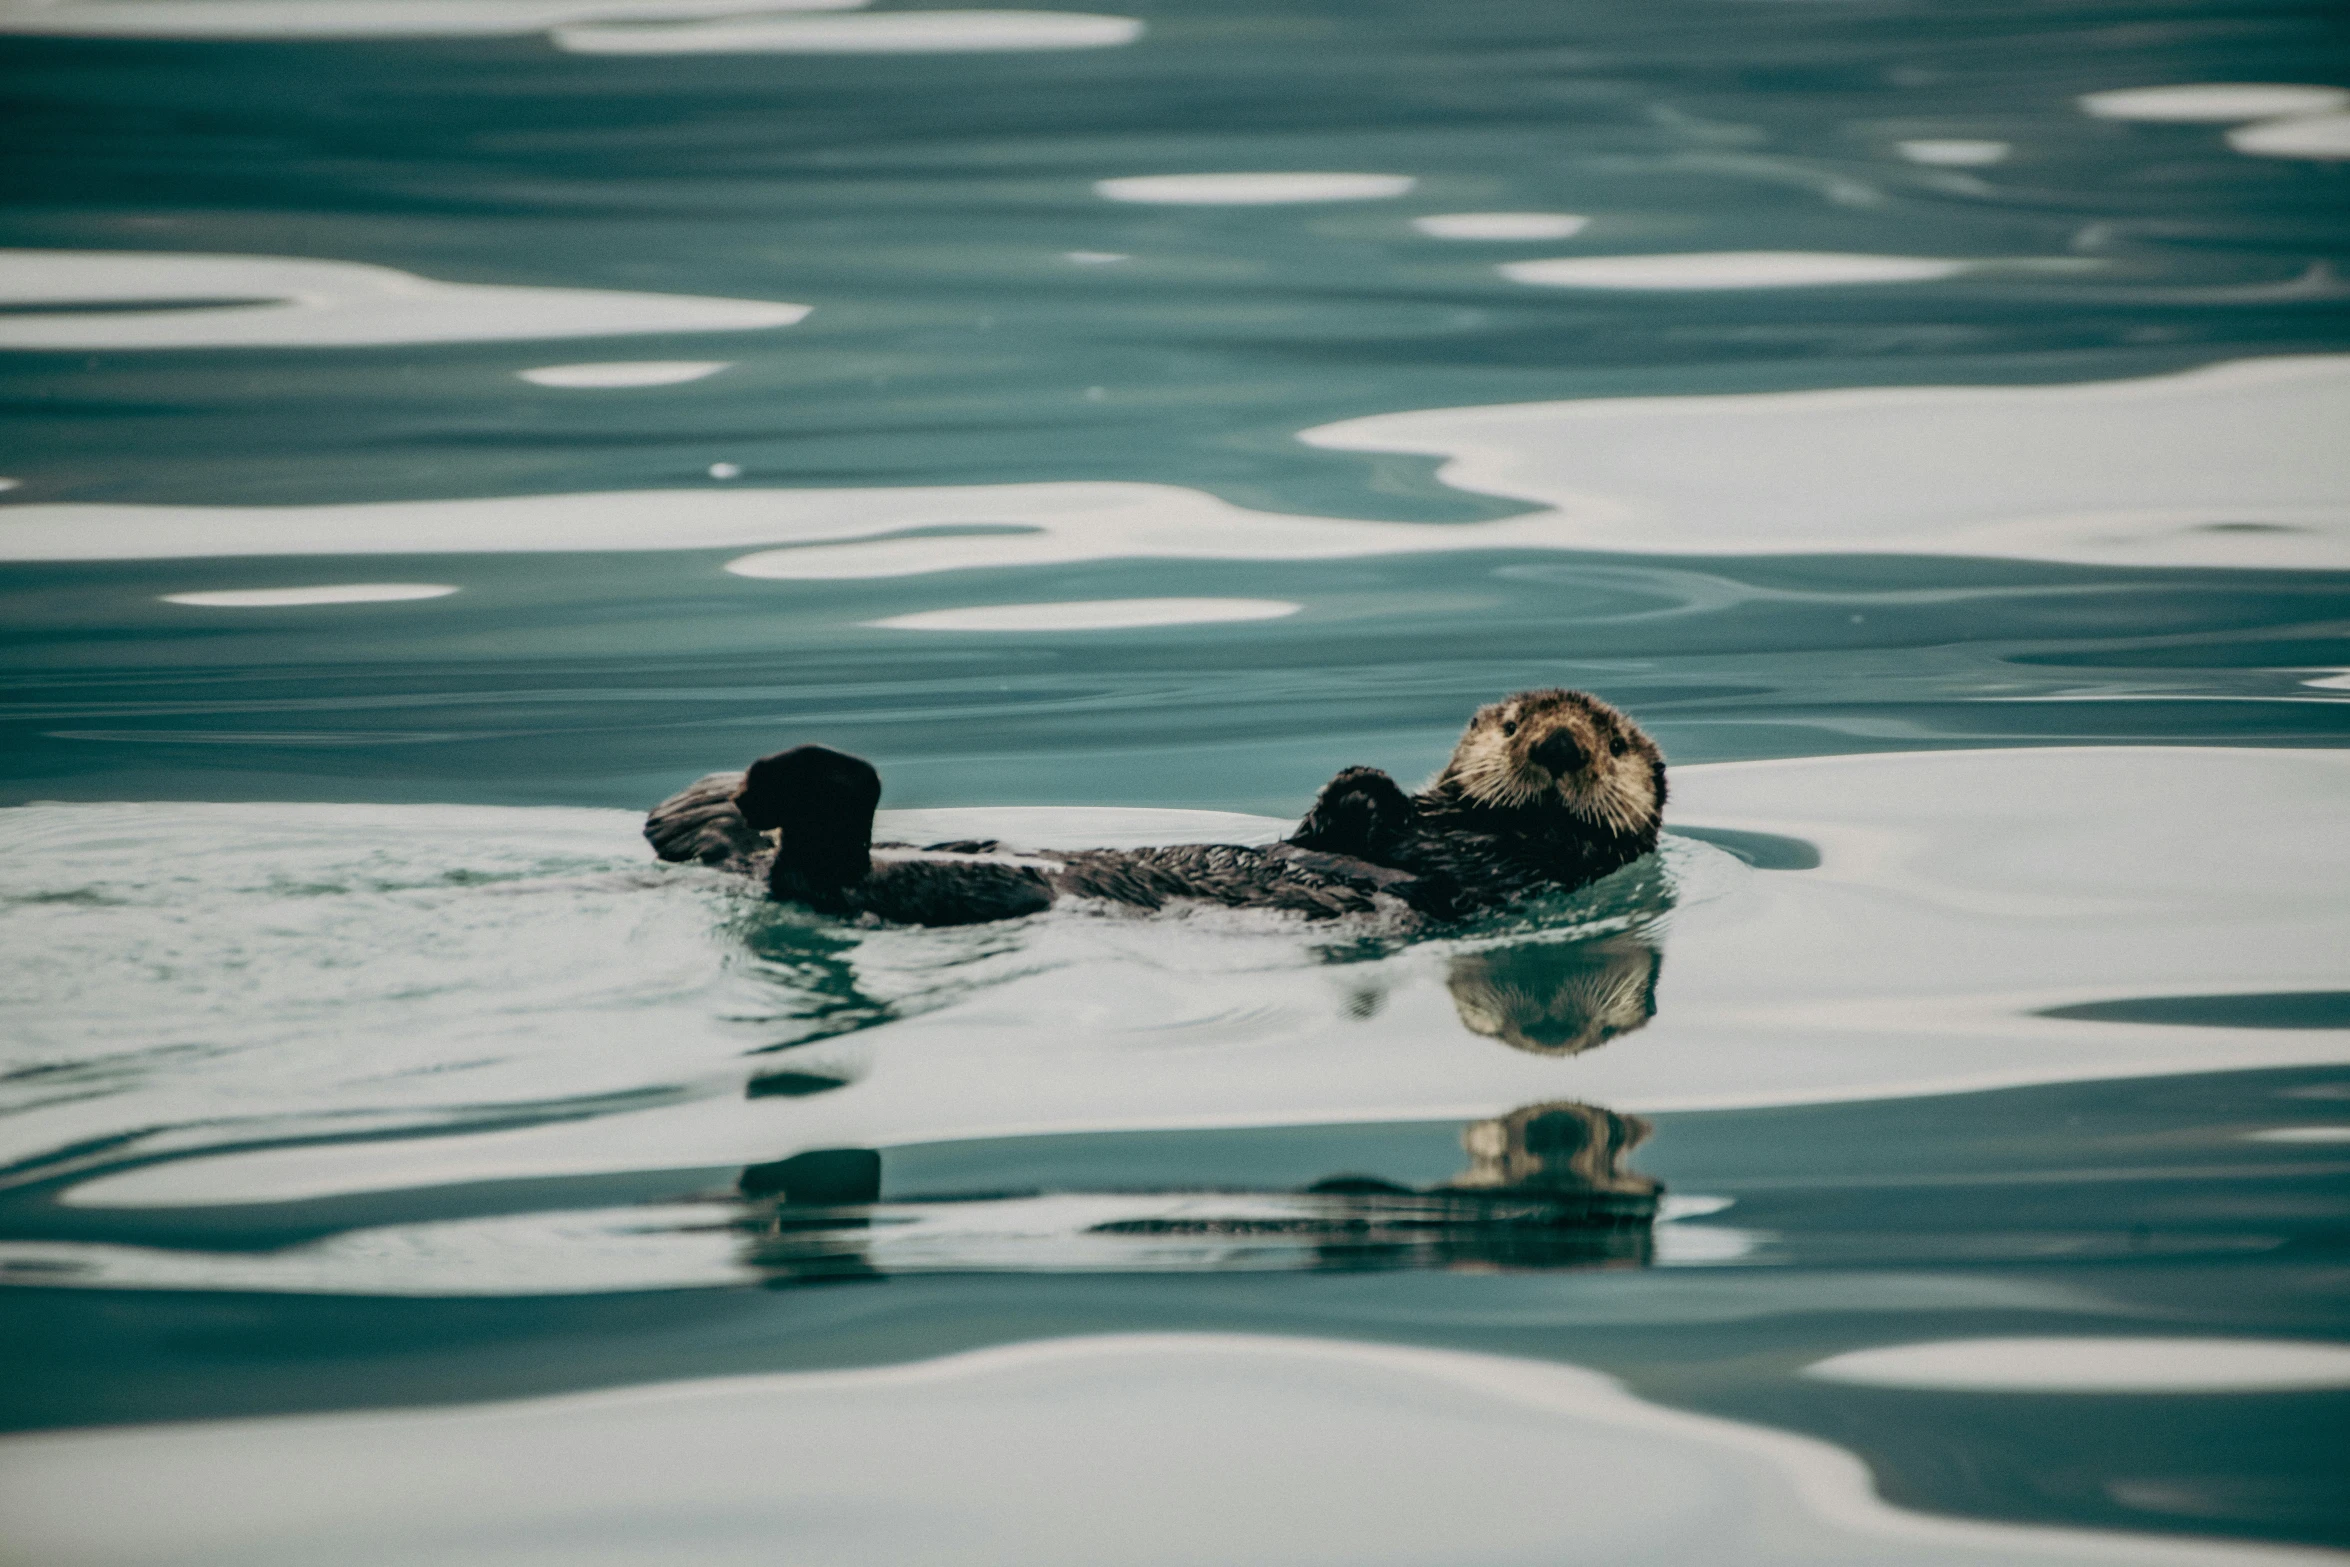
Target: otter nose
1559,753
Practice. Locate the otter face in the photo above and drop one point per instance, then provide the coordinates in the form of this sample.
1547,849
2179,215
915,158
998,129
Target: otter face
1560,748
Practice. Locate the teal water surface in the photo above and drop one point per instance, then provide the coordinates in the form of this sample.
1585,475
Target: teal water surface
436,434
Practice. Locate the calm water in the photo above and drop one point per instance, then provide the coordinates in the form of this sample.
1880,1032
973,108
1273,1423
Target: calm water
437,431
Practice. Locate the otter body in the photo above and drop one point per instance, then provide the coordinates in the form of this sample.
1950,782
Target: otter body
1547,791
825,858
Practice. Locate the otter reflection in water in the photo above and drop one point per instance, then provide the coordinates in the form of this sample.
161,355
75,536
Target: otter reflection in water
1547,1185
1557,998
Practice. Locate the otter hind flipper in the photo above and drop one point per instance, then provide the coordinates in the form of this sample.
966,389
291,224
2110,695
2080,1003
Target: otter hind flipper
700,824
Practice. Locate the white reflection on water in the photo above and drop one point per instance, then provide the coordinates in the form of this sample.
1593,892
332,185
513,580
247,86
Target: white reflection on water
1252,190
354,18
2216,103
882,32
1956,154
1729,269
1090,615
336,593
2293,121
2236,465
2095,1365
1502,225
708,1245
224,301
862,532
627,372
648,1246
371,963
2231,465
2311,136
1204,1448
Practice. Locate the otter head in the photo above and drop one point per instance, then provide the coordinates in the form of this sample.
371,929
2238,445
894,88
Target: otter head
822,800
1560,750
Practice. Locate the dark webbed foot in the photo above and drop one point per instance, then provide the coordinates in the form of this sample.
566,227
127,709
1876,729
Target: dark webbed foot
823,801
1361,812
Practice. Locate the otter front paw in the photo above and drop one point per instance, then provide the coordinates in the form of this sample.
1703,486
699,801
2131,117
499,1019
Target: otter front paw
1359,812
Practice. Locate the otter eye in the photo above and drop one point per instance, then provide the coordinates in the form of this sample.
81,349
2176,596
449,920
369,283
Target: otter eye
1509,726
1616,746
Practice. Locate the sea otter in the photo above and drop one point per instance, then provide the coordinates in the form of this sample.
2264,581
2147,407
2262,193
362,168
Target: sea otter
1547,791
1515,808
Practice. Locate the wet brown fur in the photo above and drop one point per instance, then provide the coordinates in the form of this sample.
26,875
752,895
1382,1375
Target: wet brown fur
972,882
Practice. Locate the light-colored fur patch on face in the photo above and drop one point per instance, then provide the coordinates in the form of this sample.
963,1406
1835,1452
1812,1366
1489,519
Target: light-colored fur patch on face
1610,782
